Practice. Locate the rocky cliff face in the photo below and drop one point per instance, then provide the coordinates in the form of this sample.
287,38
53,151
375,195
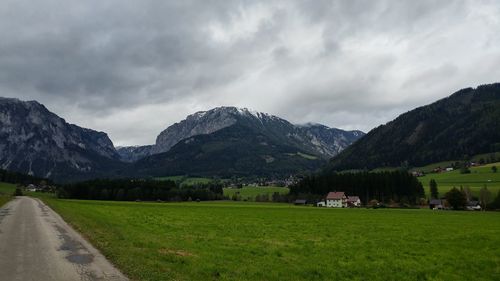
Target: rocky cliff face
133,153
200,123
33,140
329,141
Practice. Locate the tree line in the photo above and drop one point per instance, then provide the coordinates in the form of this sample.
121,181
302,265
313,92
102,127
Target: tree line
19,178
144,190
399,186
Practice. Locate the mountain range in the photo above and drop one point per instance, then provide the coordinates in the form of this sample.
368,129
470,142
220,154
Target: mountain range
221,141
454,128
238,142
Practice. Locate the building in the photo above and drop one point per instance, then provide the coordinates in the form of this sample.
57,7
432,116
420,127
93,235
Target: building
436,204
336,200
353,201
321,204
473,206
302,202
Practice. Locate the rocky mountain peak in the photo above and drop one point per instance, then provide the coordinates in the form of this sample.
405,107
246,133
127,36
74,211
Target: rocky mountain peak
38,142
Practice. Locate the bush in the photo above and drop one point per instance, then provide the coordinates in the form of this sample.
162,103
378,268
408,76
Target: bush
18,192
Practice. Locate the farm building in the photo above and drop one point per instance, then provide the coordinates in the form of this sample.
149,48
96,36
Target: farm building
300,202
339,200
436,204
336,200
353,201
473,206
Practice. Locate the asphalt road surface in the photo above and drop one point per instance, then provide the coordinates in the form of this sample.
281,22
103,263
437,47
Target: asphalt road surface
36,244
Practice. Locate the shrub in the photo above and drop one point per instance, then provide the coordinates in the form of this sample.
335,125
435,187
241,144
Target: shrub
18,192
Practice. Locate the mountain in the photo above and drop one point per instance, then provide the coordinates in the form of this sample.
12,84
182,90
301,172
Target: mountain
315,138
461,125
133,153
229,141
330,141
35,141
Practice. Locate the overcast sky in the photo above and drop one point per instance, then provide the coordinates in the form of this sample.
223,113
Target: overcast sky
132,68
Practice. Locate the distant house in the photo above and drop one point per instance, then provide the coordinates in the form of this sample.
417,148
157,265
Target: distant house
32,188
473,206
436,204
300,202
321,204
336,200
418,173
353,201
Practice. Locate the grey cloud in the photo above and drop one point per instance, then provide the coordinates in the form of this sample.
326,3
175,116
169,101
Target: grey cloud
351,64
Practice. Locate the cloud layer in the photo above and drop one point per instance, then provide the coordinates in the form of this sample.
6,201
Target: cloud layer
132,68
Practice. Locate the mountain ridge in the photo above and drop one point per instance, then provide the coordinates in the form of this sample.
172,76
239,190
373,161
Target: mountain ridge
321,140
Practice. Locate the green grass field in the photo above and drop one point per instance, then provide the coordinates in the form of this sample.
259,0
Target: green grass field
6,192
478,177
249,193
266,241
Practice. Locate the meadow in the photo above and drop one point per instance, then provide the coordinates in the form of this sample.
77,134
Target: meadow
6,192
249,193
478,178
267,241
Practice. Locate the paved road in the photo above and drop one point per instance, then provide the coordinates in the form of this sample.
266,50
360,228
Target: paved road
36,244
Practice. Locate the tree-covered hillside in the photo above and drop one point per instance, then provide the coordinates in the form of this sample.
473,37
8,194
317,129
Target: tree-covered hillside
465,124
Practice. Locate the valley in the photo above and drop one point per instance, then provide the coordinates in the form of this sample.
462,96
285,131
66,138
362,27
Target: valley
349,140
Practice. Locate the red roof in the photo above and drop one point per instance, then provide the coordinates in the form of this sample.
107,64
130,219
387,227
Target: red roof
335,195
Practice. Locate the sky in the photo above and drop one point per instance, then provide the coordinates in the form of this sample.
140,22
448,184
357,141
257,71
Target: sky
133,68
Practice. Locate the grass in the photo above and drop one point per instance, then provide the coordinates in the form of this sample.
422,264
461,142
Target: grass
479,177
249,193
6,192
265,241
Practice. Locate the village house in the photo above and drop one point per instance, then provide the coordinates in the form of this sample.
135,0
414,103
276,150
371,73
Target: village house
336,200
436,204
31,188
353,201
473,206
339,200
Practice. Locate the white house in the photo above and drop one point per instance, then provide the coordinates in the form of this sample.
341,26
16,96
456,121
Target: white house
336,200
321,204
353,201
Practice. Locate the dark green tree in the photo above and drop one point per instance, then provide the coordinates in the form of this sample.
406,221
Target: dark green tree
456,199
464,169
434,189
